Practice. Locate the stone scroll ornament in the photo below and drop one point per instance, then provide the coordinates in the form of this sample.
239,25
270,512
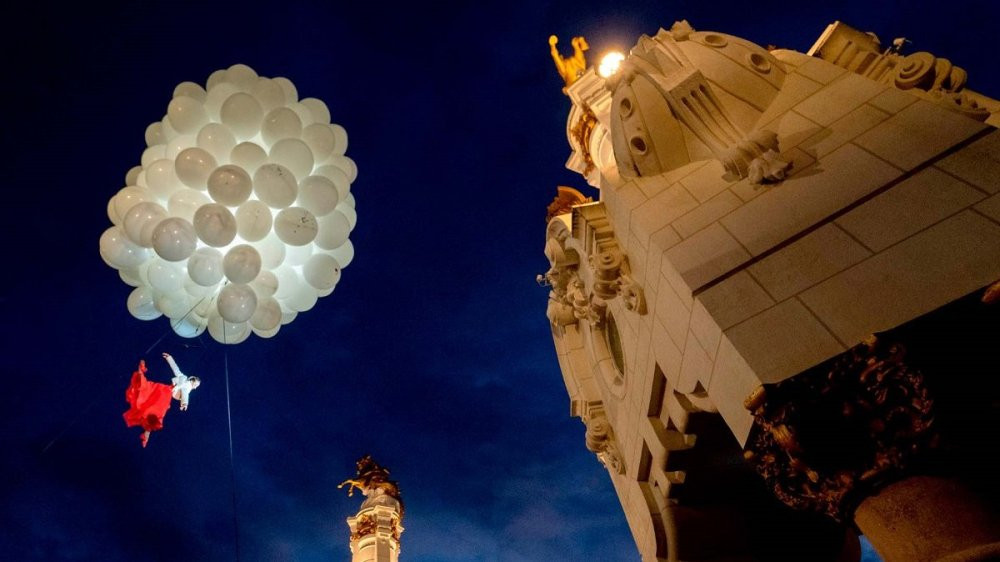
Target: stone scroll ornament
824,440
238,217
600,441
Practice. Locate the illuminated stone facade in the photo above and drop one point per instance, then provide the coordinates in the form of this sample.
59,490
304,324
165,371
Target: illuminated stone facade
762,214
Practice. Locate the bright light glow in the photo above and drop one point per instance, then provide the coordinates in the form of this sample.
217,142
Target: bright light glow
215,228
610,64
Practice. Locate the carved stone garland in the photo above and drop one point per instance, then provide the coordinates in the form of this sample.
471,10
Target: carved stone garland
824,440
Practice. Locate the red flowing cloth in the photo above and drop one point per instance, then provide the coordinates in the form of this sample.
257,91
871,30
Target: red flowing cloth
148,401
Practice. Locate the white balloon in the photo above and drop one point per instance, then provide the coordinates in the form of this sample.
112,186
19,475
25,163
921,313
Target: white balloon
165,276
345,164
275,185
237,303
265,334
242,114
135,276
193,166
178,144
132,175
190,326
161,179
174,305
280,123
230,185
320,139
338,177
217,140
141,220
318,195
267,316
215,225
174,239
152,154
125,199
191,90
140,304
217,95
253,220
119,252
296,226
334,229
344,254
320,113
289,282
187,115
227,332
265,284
295,155
154,134
184,202
248,155
272,251
241,264
340,133
349,212
268,93
321,271
303,299
242,76
299,255
214,79
305,116
205,267
287,315
197,291
291,94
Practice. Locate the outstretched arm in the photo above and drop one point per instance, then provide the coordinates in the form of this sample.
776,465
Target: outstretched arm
173,365
556,57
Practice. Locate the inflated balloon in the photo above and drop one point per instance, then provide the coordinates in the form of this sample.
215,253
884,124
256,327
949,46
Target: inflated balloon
238,217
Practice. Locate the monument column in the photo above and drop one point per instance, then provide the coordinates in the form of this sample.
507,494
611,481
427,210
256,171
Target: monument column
376,528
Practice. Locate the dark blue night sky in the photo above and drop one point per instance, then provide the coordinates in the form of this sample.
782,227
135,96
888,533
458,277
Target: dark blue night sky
433,353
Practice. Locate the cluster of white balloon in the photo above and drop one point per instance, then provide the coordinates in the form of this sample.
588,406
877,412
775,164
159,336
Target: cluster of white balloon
239,216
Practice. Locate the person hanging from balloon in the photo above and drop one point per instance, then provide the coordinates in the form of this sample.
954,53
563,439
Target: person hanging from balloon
149,401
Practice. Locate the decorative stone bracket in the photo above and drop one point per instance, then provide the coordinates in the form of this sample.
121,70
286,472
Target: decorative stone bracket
600,439
581,290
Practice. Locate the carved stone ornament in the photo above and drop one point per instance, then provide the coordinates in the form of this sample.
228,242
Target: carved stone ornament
581,290
932,78
824,440
666,112
600,440
566,198
581,132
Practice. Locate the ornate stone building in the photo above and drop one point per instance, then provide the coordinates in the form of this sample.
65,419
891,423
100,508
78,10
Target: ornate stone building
376,528
782,295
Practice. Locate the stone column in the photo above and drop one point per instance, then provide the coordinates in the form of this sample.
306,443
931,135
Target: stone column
376,528
924,518
375,531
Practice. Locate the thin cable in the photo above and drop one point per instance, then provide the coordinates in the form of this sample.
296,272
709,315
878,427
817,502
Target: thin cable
232,464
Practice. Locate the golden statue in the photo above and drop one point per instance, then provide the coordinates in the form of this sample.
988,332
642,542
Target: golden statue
570,68
371,478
